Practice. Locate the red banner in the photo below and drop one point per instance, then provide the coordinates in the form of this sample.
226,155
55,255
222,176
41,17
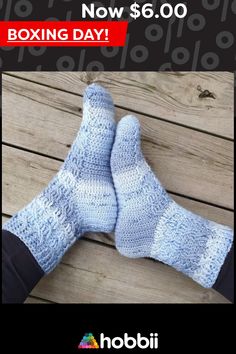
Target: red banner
63,33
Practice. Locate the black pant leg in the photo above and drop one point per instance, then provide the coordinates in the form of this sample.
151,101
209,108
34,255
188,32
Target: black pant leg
225,281
20,271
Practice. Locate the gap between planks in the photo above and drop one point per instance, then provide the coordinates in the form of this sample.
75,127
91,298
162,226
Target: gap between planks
36,300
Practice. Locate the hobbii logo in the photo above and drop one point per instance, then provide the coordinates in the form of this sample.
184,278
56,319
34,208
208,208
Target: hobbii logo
140,341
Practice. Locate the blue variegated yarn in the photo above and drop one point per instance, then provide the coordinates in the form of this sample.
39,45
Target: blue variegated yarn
151,224
81,196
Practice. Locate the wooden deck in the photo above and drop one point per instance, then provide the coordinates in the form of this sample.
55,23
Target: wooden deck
187,140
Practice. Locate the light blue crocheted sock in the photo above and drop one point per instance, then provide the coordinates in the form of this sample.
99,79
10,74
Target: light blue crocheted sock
151,224
81,196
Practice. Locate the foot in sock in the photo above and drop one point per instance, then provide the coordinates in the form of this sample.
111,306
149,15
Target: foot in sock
151,224
81,196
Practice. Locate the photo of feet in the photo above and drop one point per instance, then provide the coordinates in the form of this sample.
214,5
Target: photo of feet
117,187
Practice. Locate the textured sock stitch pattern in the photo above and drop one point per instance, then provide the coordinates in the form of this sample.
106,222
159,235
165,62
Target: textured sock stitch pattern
81,196
151,224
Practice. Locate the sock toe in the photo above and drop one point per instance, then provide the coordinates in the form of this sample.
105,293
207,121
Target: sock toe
97,98
128,124
126,150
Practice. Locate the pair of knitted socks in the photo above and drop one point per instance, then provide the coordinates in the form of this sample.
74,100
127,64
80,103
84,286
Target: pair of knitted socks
106,184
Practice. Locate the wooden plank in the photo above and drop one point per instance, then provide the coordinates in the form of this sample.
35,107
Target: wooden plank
186,161
92,273
171,96
26,174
